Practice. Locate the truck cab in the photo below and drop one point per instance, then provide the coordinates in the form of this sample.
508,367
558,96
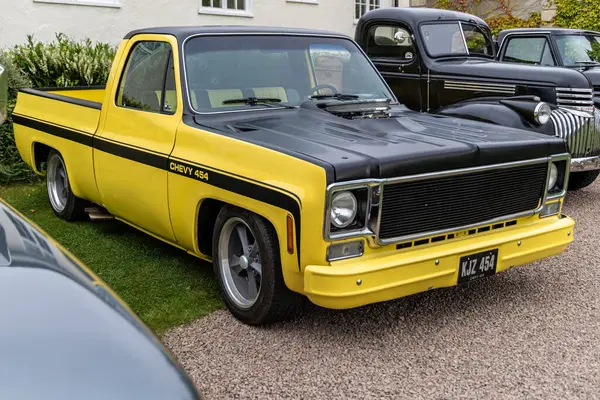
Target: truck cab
445,62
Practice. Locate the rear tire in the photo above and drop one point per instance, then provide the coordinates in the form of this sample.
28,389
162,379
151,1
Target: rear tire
64,203
579,180
247,265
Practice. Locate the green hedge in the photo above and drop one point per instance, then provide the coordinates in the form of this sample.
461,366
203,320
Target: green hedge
61,63
12,168
64,62
579,14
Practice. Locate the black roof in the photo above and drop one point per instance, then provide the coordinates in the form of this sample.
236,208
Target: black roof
555,31
415,15
182,32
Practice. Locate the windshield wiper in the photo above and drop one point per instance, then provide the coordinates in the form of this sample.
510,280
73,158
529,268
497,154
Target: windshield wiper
258,101
338,96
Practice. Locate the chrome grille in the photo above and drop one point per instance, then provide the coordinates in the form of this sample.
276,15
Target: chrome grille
575,99
414,208
581,133
597,91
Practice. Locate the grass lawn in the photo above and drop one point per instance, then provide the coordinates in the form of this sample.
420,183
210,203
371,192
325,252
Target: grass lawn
162,284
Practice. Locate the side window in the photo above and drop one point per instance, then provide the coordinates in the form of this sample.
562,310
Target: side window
148,80
529,50
390,42
477,43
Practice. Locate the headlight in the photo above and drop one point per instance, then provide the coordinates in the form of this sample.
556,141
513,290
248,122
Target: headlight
343,209
553,177
542,113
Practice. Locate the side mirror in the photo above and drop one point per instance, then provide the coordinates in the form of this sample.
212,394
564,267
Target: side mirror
3,94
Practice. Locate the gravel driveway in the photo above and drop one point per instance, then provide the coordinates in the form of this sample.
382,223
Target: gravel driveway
532,332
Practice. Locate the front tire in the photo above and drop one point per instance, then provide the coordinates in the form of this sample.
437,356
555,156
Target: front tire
247,265
64,203
579,180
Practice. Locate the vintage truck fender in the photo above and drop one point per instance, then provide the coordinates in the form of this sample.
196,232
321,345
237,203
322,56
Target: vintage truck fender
506,112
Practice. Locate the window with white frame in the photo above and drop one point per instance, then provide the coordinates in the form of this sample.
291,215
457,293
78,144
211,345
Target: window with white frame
226,7
97,3
361,7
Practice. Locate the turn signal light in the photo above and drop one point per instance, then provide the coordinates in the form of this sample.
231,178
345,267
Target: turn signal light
290,235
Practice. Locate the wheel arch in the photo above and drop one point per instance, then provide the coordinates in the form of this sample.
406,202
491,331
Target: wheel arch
208,210
40,152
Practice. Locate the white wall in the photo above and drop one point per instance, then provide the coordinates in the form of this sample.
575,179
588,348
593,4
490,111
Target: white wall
21,17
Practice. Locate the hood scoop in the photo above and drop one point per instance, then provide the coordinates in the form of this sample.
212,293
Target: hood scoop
242,128
355,109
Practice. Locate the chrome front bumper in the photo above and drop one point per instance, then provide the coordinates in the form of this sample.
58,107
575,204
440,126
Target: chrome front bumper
585,164
582,134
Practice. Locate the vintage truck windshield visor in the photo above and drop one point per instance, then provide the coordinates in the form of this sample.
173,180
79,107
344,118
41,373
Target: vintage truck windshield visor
456,38
273,70
579,49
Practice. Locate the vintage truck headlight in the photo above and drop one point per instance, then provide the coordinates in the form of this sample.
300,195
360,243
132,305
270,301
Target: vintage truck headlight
542,113
343,209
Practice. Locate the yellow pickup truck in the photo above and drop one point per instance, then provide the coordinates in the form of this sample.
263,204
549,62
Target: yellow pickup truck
282,156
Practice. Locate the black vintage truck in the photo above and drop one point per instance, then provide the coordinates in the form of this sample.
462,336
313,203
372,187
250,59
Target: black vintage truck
446,62
554,47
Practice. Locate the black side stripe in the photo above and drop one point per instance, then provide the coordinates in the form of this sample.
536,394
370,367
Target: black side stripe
185,168
55,130
143,157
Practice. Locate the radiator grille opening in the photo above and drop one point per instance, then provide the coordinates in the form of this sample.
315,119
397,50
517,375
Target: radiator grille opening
444,203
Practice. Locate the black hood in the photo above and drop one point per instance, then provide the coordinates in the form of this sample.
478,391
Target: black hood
512,73
407,143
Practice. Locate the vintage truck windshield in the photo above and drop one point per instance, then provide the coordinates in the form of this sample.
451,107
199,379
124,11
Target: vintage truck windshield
221,69
579,49
456,38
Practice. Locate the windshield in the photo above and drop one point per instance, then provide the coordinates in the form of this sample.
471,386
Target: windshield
579,49
275,70
443,39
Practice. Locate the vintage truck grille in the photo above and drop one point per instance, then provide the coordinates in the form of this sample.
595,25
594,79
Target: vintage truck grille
577,121
439,204
581,133
597,91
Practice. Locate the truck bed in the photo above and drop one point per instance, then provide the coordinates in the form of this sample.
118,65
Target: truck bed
62,119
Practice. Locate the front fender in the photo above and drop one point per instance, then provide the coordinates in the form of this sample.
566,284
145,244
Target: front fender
492,111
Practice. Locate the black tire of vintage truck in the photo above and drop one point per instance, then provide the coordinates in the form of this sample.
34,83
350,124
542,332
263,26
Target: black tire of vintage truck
579,180
273,301
64,203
